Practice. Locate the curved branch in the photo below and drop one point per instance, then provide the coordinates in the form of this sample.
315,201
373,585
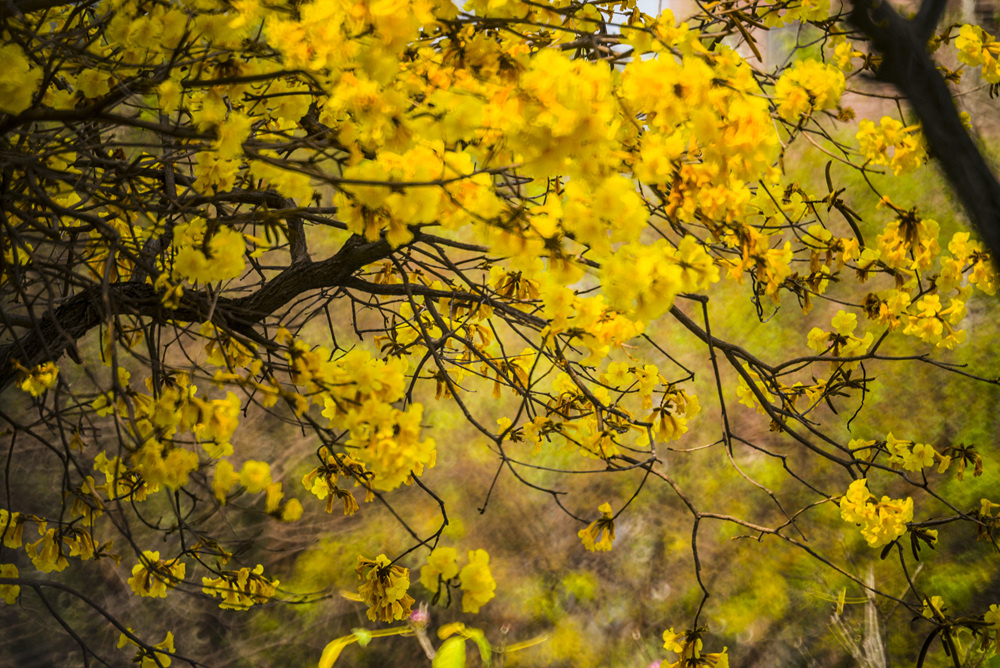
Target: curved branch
58,330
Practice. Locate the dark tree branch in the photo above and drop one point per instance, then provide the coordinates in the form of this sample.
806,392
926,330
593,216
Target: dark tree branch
907,64
17,8
59,329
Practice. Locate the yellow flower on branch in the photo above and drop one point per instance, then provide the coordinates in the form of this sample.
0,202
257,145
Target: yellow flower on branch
152,576
441,566
240,589
383,587
599,534
881,522
478,585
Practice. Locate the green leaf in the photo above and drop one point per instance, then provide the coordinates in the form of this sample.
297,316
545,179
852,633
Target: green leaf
333,649
451,654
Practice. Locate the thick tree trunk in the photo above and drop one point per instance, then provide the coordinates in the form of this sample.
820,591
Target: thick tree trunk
908,65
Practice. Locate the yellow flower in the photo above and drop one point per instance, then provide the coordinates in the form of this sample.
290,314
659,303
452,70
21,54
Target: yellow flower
806,86
383,587
45,553
255,476
9,593
225,478
38,379
144,657
19,80
12,528
478,585
881,522
152,576
599,534
292,511
240,589
441,566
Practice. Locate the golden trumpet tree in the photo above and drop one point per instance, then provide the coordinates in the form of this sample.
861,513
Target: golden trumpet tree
358,217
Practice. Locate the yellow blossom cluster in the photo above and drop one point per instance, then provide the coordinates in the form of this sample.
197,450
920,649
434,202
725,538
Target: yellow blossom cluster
356,392
157,421
9,592
670,418
688,648
152,576
808,86
205,257
842,341
146,657
37,379
890,143
441,566
322,481
976,47
643,280
475,578
20,79
841,50
478,585
882,521
383,587
240,589
707,131
599,535
450,192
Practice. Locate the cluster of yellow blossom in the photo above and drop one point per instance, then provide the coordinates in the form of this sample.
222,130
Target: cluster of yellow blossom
670,418
357,392
9,592
763,256
49,552
450,192
152,576
200,258
600,534
441,566
933,322
149,658
224,350
808,86
383,587
158,459
707,131
841,342
967,255
478,585
882,521
240,589
841,50
38,378
642,280
20,79
907,455
977,47
688,648
890,143
322,480
475,578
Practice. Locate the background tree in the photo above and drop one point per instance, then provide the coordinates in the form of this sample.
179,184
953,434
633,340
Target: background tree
416,237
